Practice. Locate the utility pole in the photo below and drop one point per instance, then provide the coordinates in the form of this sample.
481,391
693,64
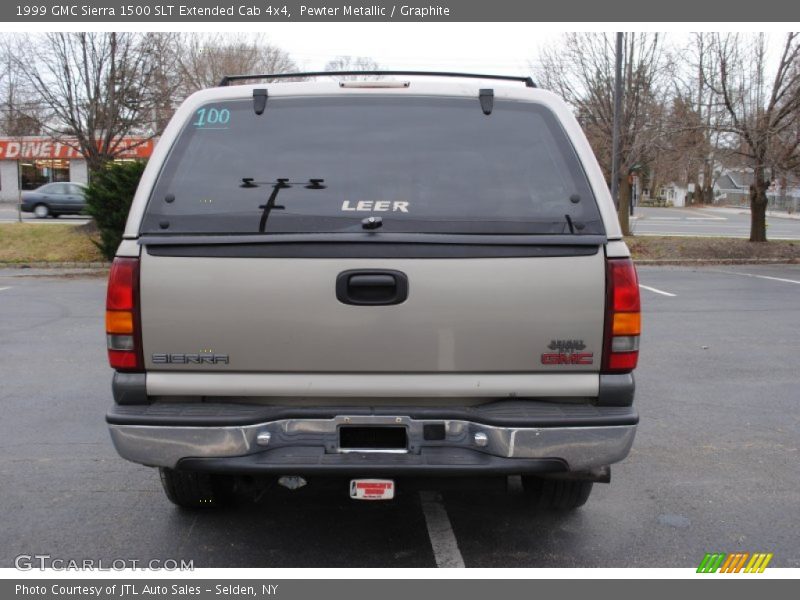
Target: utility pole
19,177
615,134
19,191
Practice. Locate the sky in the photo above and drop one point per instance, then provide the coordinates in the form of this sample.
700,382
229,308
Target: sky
501,48
498,48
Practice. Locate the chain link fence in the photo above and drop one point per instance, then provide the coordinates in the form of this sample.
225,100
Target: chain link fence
775,202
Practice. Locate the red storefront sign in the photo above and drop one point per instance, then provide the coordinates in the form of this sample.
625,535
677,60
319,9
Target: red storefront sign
42,148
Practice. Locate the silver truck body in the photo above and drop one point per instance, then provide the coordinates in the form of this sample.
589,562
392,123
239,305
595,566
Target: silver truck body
252,364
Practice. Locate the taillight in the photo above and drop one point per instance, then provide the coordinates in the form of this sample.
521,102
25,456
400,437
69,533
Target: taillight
623,317
123,326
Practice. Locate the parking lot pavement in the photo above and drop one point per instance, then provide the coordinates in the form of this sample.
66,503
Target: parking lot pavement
714,467
708,222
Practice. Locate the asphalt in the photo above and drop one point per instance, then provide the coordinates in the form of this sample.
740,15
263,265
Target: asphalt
710,222
9,214
714,467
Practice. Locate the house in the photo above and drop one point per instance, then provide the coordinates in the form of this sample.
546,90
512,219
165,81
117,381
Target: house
674,194
732,187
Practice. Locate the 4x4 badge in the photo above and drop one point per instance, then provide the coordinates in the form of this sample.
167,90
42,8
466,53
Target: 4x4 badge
566,345
565,353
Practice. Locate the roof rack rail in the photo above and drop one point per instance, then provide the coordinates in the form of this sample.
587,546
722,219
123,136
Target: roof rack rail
528,81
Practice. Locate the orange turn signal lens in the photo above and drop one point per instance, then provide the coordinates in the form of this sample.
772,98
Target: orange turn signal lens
119,321
627,323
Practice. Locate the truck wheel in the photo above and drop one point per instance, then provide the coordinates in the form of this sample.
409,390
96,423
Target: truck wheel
559,494
195,490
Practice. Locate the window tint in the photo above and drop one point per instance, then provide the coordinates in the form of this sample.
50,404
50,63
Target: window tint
324,164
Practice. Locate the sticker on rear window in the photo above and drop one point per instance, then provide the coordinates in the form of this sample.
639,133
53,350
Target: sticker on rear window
212,118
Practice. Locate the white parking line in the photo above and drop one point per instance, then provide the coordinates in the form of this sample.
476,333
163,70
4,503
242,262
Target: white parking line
440,532
4,288
657,291
706,219
710,214
761,277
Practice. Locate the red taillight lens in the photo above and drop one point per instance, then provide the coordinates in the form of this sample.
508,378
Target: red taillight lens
623,317
625,291
123,328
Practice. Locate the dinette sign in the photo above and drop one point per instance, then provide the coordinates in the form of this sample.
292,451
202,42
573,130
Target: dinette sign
39,148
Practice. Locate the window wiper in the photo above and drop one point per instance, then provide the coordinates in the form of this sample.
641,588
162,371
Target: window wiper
573,226
281,183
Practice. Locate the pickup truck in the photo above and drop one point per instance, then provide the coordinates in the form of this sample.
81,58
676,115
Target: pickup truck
374,281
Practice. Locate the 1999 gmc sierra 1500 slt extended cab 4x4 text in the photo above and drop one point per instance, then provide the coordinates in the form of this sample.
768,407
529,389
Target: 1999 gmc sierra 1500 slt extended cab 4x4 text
373,280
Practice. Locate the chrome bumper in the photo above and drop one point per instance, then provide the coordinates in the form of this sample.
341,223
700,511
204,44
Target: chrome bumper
579,448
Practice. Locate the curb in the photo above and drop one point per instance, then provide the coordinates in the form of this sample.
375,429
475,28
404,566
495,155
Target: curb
55,265
715,261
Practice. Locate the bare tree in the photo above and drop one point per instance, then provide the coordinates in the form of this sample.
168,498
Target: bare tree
692,139
203,59
166,88
762,102
692,146
95,88
353,63
20,113
711,147
677,150
581,70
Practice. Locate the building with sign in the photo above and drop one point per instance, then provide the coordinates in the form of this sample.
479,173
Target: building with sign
28,162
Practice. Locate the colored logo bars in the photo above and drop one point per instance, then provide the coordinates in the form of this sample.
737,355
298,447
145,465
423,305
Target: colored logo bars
734,563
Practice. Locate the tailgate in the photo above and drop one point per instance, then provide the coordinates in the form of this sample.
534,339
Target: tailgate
479,315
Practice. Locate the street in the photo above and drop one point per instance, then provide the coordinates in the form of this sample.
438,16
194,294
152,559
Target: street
714,467
648,221
716,222
8,214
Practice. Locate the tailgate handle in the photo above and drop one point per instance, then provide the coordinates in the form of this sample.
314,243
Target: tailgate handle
363,287
372,281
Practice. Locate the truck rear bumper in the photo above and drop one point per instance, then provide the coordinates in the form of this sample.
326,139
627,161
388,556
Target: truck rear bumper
519,437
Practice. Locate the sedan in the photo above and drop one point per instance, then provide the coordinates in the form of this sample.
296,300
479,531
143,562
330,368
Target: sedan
54,199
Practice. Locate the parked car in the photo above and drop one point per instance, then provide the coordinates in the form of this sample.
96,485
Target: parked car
55,199
374,280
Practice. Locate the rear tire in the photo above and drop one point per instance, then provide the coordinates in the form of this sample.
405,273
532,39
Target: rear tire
558,494
42,211
196,490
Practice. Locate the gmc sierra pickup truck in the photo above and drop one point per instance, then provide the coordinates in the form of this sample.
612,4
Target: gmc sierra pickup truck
373,280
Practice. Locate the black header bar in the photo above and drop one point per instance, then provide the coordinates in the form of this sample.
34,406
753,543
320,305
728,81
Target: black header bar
262,11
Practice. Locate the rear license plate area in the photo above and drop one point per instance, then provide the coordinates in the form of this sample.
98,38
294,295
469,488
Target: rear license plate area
372,489
373,438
